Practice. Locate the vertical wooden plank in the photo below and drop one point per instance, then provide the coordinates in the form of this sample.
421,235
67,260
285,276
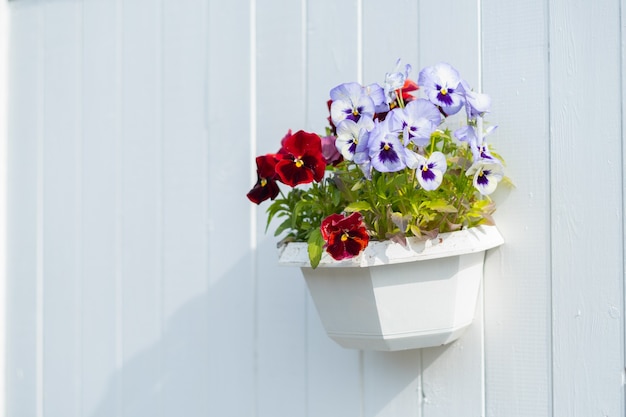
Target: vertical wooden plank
24,120
232,330
101,381
448,32
586,201
333,57
62,213
281,292
141,206
517,275
452,377
4,83
391,381
384,44
185,362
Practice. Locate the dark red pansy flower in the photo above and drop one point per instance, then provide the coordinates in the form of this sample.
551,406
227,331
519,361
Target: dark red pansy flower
302,159
345,237
266,186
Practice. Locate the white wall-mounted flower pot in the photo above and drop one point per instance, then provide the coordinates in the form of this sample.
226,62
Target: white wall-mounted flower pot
393,297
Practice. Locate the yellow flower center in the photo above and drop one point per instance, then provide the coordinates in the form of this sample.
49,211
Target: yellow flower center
425,168
444,91
263,182
344,237
386,147
299,163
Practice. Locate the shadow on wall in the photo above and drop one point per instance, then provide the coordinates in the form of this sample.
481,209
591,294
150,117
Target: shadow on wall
187,371
205,363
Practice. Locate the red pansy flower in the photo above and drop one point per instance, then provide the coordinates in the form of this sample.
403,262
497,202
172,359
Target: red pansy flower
407,90
302,159
266,186
345,237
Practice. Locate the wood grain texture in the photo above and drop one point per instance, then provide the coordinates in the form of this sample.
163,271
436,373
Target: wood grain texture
231,296
517,275
24,121
62,214
184,361
587,247
281,297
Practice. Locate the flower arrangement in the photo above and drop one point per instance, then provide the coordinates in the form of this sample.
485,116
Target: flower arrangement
388,167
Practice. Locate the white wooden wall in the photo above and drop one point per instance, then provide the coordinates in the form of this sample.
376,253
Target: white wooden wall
140,280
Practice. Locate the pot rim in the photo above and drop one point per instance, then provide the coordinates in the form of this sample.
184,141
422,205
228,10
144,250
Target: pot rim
474,239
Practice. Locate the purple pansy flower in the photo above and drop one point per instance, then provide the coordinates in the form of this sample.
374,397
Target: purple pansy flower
417,120
385,149
350,101
476,143
362,156
377,94
486,174
349,134
429,171
476,104
441,83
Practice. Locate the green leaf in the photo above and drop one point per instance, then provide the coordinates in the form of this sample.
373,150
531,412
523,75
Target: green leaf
357,186
283,226
441,206
316,247
358,206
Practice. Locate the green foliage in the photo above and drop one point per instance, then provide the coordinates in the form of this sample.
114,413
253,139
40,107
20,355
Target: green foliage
392,204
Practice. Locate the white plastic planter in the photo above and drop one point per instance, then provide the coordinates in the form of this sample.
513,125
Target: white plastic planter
393,297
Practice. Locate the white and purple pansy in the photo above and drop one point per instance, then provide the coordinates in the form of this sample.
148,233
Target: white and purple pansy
442,85
477,144
429,171
386,152
476,104
395,81
350,101
487,174
349,134
417,120
362,157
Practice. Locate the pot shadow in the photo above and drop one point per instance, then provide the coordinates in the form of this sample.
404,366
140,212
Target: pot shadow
211,350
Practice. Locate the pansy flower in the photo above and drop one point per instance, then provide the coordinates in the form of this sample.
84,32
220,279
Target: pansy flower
302,161
442,85
345,237
486,174
349,134
476,104
418,120
329,150
476,143
385,149
407,90
377,94
429,171
350,101
362,156
266,186
395,81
